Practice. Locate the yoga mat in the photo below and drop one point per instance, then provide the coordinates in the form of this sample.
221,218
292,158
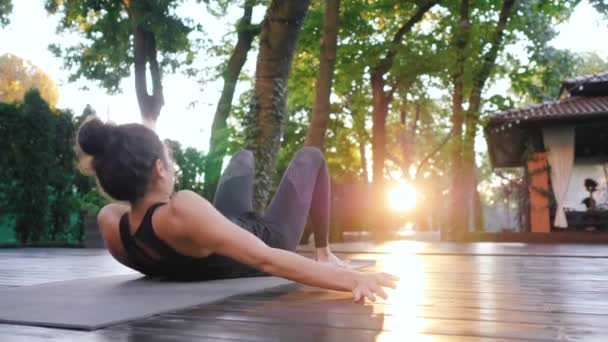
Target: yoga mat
94,303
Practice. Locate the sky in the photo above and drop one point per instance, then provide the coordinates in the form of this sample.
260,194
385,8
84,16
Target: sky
585,31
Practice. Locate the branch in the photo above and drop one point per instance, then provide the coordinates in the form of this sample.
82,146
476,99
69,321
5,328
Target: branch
433,153
489,58
387,62
155,72
391,92
416,119
244,25
139,62
393,158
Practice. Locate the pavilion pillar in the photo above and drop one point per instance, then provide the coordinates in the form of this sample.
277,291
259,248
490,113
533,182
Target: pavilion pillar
538,187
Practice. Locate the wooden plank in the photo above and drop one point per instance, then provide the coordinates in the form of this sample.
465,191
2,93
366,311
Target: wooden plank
17,333
277,331
486,293
472,248
427,312
404,325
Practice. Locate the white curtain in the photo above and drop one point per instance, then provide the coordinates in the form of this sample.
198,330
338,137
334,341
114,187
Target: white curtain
559,142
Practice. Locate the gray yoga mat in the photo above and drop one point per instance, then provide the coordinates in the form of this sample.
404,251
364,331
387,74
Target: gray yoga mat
94,303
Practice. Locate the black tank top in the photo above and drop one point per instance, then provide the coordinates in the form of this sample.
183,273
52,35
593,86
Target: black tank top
150,255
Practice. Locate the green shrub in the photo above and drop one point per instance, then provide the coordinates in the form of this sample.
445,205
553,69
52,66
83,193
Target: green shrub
38,195
190,163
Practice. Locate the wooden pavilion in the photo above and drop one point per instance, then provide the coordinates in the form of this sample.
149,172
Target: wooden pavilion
563,146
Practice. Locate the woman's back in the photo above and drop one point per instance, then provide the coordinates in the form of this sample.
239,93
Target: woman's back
151,255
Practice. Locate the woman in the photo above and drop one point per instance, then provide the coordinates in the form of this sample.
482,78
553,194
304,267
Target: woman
182,236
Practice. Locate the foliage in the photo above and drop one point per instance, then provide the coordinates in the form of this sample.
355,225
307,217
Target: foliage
6,7
366,30
221,50
189,167
541,80
19,76
601,6
106,54
37,176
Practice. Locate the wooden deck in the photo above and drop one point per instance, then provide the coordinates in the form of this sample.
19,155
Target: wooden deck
448,292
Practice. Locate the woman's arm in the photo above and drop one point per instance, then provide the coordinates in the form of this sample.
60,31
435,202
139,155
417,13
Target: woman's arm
198,222
108,221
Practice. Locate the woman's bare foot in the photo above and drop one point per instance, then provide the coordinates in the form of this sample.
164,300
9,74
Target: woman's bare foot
325,255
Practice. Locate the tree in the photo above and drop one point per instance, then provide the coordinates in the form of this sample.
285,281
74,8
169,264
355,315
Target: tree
145,35
381,101
6,7
362,44
246,32
480,77
19,76
266,118
381,98
461,40
488,39
325,75
601,6
541,80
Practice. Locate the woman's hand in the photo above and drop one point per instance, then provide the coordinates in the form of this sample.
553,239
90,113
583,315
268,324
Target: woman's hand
368,285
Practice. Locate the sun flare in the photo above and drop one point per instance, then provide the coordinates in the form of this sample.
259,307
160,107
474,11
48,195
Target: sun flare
402,196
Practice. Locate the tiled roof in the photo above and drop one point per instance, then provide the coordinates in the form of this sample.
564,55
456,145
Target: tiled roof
569,108
600,77
586,85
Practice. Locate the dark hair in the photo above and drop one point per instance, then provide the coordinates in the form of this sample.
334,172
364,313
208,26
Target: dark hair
123,156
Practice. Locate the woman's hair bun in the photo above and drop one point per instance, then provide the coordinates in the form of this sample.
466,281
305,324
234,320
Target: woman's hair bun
93,137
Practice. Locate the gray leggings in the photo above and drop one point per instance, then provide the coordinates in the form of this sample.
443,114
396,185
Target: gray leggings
304,190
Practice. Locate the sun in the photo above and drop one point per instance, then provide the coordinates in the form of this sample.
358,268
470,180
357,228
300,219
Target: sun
402,196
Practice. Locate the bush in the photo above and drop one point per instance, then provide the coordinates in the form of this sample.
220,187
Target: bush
190,164
37,193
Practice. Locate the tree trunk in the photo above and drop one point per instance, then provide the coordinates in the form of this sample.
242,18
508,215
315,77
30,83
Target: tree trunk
145,57
267,110
380,103
381,99
458,216
478,220
359,127
403,134
320,113
217,142
472,119
363,156
409,141
473,200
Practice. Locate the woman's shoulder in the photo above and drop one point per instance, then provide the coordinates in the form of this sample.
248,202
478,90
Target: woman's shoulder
183,197
184,201
180,221
180,208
